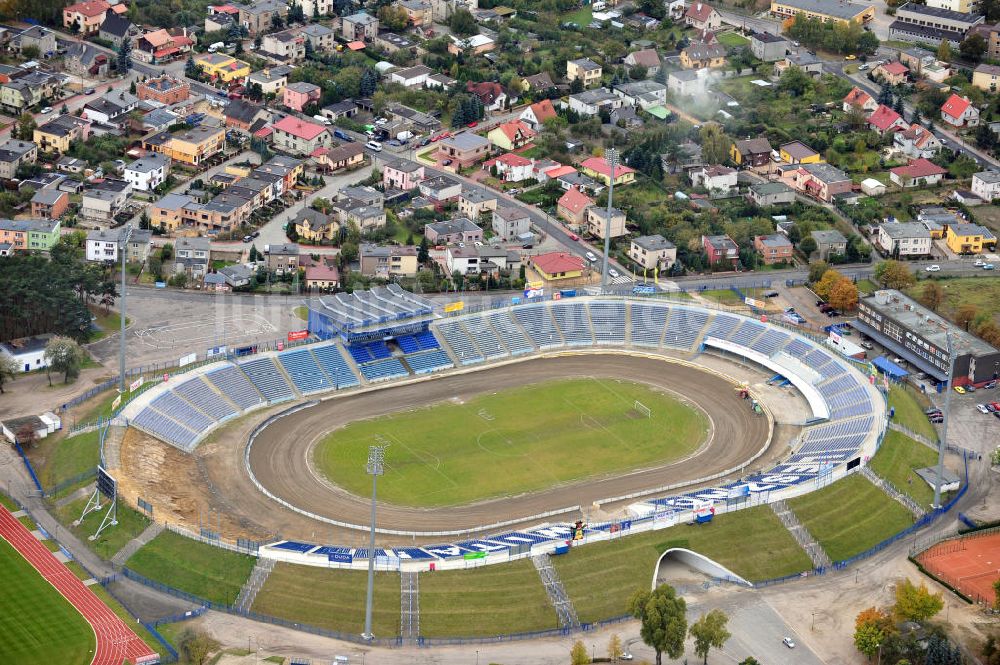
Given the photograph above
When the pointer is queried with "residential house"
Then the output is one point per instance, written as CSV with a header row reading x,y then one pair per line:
x,y
104,245
359,27
592,102
718,180
222,67
116,29
314,226
85,18
653,252
491,94
471,46
49,204
463,149
892,73
473,203
572,207
41,38
463,260
244,116
702,16
918,173
346,156
904,239
190,146
511,135
300,137
858,98
822,181
557,266
586,70
441,189
771,193
647,58
986,77
986,185
958,111
286,46
797,152
441,82
101,203
388,261
454,231
402,174
884,119
411,77
418,12
346,108
14,153
536,114
768,47
511,167
298,96
159,46
703,56
112,108
967,238
598,168
773,248
829,242
804,60
86,61
148,173
686,82
720,250
321,37
27,88
29,234
258,17
282,258
916,142
601,222
751,153
164,89
537,83
315,8
509,223
272,80
322,277
192,256
57,134
642,94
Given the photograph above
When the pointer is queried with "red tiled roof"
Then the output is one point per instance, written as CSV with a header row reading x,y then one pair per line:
x,y
487,91
225,9
543,110
955,106
263,131
356,45
120,9
918,168
89,8
299,128
557,262
510,159
323,272
857,97
895,68
515,127
699,11
883,117
575,201
598,165
559,171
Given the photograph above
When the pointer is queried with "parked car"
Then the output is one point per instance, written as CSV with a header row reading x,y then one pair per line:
x,y
989,407
788,642
990,386
614,273
591,257
981,408
867,345
574,237
832,313
989,266
247,238
933,268
771,294
47,109
970,388
89,91
936,420
374,145
960,390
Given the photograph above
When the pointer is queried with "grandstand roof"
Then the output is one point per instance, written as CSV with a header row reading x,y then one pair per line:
x,y
378,308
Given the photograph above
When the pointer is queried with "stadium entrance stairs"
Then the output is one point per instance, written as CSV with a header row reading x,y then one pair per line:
x,y
409,606
557,594
132,546
112,446
252,586
817,554
888,488
700,339
351,363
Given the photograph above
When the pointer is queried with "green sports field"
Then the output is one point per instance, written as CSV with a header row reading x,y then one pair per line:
x,y
514,441
37,625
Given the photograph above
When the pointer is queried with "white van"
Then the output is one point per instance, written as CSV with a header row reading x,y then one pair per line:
x,y
599,6
374,145
322,119
216,46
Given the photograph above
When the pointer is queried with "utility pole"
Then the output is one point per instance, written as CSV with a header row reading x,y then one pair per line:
x,y
375,468
611,157
944,423
126,235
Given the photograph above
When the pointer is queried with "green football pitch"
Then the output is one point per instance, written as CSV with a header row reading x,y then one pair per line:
x,y
37,625
514,441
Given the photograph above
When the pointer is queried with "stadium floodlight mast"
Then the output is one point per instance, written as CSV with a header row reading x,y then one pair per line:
x,y
126,235
944,421
611,157
375,468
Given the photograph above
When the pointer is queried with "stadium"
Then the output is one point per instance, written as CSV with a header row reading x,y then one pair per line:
x,y
509,432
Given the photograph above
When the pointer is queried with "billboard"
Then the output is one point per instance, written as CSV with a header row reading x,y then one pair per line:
x,y
187,360
754,303
215,351
106,484
340,557
454,306
135,385
296,335
116,402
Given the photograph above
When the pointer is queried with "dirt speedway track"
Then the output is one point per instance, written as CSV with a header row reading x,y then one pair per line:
x,y
280,455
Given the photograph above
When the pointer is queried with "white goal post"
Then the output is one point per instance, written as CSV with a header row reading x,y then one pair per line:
x,y
643,409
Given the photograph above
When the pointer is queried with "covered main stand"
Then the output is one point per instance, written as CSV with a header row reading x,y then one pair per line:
x,y
890,369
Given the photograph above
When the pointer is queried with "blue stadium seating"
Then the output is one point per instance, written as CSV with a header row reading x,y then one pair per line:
x,y
722,326
460,342
202,396
683,327
746,333
797,348
304,372
169,404
510,333
234,384
485,337
538,323
366,353
331,360
648,322
608,322
572,320
166,428
269,380
428,361
383,370
770,342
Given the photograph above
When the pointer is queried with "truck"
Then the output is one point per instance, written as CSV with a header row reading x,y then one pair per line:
x,y
216,46
404,135
322,119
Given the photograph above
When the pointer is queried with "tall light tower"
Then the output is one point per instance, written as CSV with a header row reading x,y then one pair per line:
x,y
375,468
126,235
944,422
611,157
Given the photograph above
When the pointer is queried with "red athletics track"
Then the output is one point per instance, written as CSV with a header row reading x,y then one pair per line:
x,y
115,640
969,564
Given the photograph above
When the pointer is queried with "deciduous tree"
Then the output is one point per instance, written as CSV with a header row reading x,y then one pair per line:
x,y
615,648
63,355
825,285
8,370
932,295
816,271
844,295
965,314
578,654
196,646
894,275
916,603
664,623
709,632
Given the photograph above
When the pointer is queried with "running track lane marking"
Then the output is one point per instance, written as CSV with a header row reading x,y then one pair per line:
x,y
115,640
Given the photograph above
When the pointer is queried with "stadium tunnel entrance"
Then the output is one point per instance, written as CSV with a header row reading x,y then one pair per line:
x,y
679,560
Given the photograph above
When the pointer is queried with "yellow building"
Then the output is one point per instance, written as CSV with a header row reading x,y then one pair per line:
x,y
557,266
219,66
584,69
986,77
192,146
597,168
57,134
797,152
827,11
966,238
703,56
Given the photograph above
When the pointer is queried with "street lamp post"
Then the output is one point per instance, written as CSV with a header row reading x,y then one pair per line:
x,y
375,468
944,422
126,235
611,157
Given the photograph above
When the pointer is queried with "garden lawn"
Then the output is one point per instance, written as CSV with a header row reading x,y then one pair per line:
x,y
910,411
203,570
331,598
70,457
491,600
850,516
897,461
600,577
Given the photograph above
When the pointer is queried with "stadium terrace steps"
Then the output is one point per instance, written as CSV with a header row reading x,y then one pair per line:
x,y
258,576
817,554
573,322
509,329
233,382
304,371
409,606
463,347
132,546
331,359
556,592
541,328
270,380
349,361
888,488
